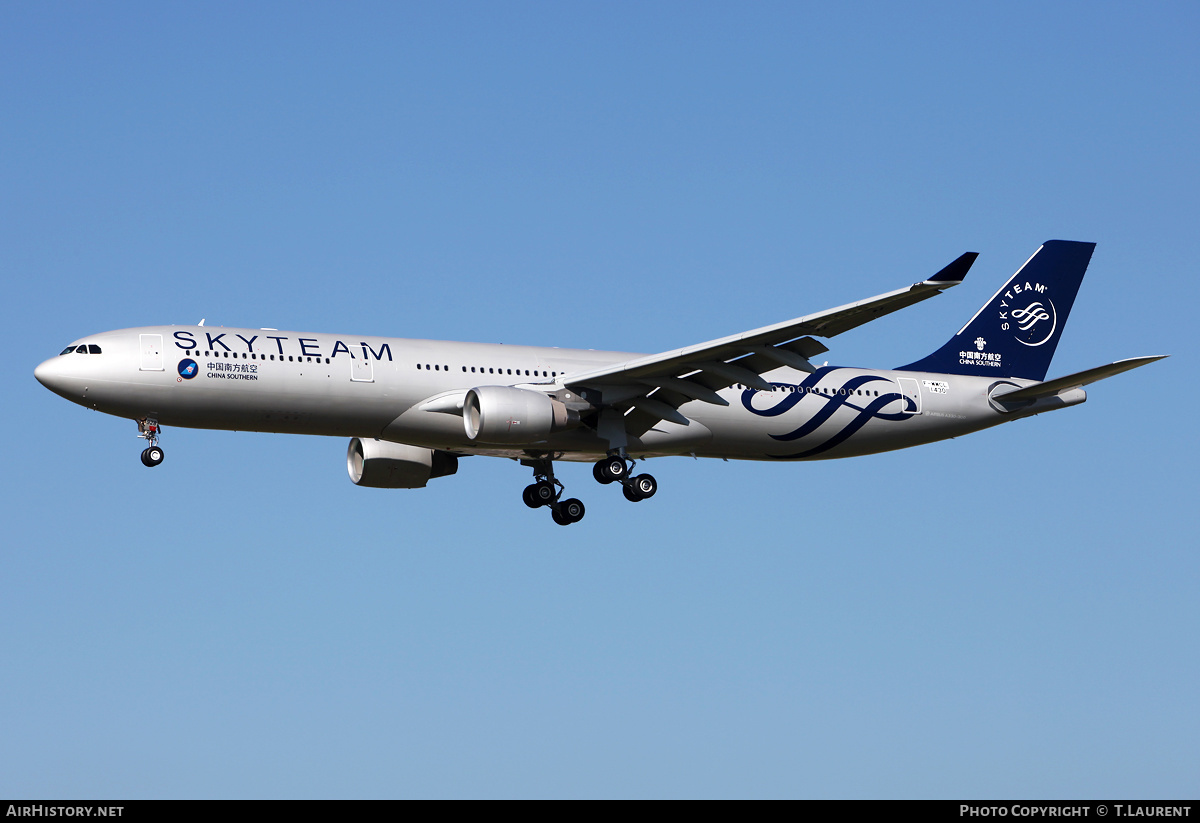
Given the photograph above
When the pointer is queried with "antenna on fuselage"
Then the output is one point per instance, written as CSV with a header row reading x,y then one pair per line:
x,y
201,323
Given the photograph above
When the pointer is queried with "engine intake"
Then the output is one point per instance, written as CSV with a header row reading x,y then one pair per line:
x,y
380,464
509,416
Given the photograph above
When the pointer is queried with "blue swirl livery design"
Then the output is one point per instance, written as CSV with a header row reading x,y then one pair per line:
x,y
865,397
188,369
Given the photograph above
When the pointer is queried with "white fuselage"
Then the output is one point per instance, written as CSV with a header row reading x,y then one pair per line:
x,y
374,387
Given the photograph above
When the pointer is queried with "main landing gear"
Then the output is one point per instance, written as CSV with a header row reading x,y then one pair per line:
x,y
547,491
616,469
148,430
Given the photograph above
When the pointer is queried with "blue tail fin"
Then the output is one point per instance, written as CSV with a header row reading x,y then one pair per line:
x,y
1016,332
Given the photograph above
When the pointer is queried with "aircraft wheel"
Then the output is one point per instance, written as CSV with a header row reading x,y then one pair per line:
x,y
152,456
600,472
559,517
645,486
612,468
630,494
529,497
572,510
543,493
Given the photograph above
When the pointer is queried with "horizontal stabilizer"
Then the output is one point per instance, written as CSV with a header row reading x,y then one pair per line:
x,y
1074,381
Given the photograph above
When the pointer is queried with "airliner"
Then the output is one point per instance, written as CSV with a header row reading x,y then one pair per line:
x,y
412,408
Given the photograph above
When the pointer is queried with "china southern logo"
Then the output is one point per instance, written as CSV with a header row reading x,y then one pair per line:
x,y
188,369
1028,313
980,343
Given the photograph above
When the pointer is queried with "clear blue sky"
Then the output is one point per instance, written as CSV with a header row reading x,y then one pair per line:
x,y
1012,614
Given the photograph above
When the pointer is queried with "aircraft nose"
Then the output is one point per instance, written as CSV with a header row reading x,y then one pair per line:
x,y
50,374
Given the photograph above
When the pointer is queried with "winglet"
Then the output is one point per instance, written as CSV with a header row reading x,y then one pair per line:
x,y
956,271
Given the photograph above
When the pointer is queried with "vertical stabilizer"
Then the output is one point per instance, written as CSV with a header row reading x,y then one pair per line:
x,y
1016,332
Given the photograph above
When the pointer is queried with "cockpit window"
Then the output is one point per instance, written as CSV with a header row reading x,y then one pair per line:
x,y
81,349
86,348
93,348
67,350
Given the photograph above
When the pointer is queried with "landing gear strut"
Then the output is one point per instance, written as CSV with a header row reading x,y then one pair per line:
x,y
617,469
547,491
148,430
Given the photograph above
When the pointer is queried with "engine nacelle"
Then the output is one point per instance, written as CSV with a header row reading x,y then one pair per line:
x,y
380,464
510,416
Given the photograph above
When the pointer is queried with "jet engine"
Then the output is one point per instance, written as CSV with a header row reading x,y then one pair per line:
x,y
507,415
380,464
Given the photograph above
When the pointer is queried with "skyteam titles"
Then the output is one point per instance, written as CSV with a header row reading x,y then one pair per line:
x,y
303,346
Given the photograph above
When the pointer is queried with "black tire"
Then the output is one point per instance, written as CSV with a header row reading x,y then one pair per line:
x,y
528,496
558,517
614,468
573,509
600,472
152,456
630,494
644,486
543,492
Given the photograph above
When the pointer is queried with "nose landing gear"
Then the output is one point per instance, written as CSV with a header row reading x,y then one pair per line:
x,y
148,430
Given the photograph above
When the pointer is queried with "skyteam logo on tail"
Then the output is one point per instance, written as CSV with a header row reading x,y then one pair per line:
x,y
1034,324
1016,332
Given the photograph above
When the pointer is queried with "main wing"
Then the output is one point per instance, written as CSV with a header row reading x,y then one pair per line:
x,y
649,389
